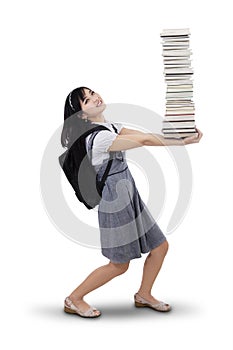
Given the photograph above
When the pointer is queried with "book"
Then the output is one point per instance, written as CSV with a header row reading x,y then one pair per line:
x,y
175,43
179,117
175,32
179,70
179,136
170,114
179,131
180,82
177,77
182,118
177,53
178,124
179,87
177,37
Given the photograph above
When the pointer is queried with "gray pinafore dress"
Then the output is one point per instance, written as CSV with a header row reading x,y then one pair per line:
x,y
127,228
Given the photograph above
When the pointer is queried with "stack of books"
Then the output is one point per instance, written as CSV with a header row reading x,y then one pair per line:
x,y
179,120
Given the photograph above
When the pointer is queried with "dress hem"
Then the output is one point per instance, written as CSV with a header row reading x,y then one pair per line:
x,y
137,256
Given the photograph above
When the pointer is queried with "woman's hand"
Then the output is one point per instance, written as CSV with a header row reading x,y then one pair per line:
x,y
193,139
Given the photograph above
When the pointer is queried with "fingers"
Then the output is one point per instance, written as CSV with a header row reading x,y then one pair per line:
x,y
200,134
194,138
190,139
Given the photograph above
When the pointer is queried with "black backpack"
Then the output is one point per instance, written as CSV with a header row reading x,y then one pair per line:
x,y
80,172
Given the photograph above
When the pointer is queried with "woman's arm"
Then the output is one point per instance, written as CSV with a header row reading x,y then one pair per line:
x,y
134,139
126,131
161,141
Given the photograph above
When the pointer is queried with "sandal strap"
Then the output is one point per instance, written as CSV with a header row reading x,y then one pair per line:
x,y
88,313
159,306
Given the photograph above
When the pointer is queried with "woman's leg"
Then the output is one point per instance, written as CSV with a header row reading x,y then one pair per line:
x,y
96,279
151,269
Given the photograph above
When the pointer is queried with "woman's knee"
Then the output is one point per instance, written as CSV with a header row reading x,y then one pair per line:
x,y
165,246
162,248
119,268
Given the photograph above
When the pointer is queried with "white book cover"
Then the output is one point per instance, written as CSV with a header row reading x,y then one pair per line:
x,y
179,70
179,89
178,130
179,124
175,43
181,118
179,136
180,83
175,32
174,39
177,53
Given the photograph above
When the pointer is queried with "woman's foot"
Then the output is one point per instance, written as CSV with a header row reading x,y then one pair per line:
x,y
81,308
147,297
147,300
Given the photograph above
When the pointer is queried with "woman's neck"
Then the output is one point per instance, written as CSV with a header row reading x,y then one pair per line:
x,y
98,119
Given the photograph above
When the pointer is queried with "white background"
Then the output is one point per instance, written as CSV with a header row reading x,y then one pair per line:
x,y
114,47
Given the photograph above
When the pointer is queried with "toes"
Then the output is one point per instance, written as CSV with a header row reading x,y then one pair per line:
x,y
96,313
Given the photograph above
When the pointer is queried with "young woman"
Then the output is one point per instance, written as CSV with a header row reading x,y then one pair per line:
x,y
127,228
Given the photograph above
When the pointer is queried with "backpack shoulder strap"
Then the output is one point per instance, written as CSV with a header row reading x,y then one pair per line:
x,y
95,133
108,167
116,131
106,172
104,177
91,144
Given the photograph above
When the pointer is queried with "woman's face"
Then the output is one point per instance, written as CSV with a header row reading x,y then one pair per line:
x,y
92,104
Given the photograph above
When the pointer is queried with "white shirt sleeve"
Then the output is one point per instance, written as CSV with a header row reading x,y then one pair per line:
x,y
119,126
103,140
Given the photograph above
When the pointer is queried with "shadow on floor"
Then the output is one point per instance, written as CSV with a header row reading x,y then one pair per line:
x,y
120,310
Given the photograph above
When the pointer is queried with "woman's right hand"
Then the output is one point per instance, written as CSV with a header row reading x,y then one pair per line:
x,y
193,139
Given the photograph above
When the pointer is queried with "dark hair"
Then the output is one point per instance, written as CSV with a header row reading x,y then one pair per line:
x,y
74,126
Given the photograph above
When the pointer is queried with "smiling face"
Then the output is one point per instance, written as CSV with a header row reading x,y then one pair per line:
x,y
92,105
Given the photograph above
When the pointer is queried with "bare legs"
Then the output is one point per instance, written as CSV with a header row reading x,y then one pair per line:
x,y
95,280
105,273
151,269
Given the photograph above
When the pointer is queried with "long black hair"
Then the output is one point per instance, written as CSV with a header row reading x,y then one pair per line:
x,y
74,126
